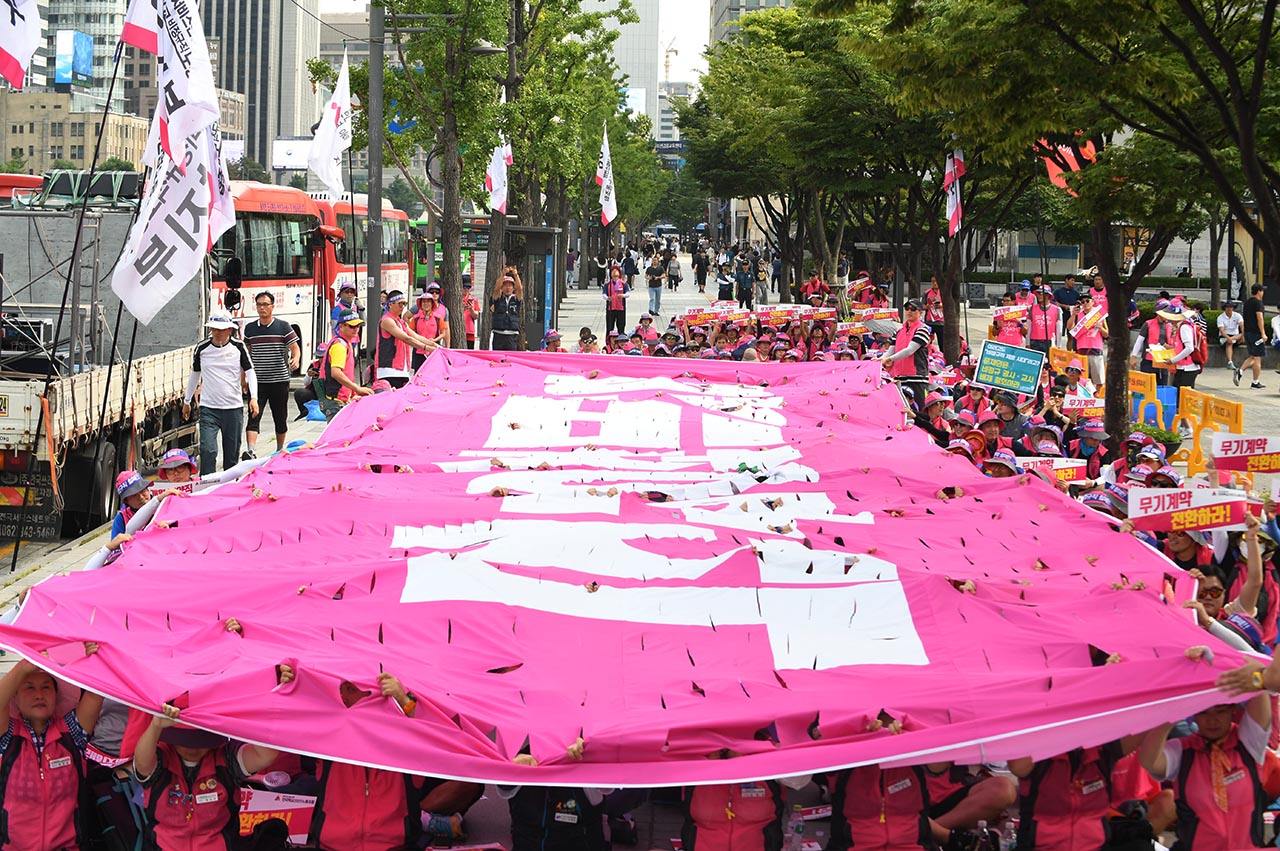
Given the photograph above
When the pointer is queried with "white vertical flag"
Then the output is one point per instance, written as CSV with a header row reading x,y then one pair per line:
x,y
184,210
951,183
187,204
142,26
495,177
20,37
188,101
333,135
604,177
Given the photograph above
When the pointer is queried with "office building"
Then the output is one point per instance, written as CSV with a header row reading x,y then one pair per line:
x,y
345,31
638,54
41,127
725,14
265,46
102,21
666,130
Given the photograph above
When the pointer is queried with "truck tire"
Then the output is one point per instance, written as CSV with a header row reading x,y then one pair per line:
x,y
88,488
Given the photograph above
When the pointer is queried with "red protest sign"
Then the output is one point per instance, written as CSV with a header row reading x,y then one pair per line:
x,y
1182,509
1250,454
257,806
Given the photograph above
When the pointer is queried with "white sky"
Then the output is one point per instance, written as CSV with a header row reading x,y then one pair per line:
x,y
687,22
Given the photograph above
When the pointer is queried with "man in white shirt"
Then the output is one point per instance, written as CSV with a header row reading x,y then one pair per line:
x,y
219,372
1230,331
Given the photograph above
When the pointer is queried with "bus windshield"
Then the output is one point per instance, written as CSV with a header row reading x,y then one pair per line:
x,y
270,245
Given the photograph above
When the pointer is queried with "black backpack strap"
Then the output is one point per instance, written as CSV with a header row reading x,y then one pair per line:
x,y
6,768
413,809
1187,823
231,830
1027,805
773,831
317,813
841,835
1260,801
85,806
925,829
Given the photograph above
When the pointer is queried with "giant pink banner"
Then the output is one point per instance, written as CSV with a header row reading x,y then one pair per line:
x,y
672,559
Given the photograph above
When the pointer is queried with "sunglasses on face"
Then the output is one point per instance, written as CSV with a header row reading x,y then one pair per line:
x,y
1209,593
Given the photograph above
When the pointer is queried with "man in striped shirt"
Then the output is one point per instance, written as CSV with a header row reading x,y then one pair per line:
x,y
276,355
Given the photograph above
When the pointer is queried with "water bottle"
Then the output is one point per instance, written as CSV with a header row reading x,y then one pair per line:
x,y
795,829
987,839
1009,840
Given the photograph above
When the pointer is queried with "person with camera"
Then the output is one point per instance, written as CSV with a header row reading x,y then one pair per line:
x,y
505,308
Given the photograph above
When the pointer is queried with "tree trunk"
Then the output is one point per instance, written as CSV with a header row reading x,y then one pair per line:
x,y
818,236
451,224
495,259
1118,342
1217,232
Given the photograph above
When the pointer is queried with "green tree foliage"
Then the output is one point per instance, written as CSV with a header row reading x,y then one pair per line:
x,y
13,165
299,181
402,196
247,169
116,164
684,204
1197,75
63,165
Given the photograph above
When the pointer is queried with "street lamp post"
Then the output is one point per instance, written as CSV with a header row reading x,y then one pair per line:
x,y
373,240
377,32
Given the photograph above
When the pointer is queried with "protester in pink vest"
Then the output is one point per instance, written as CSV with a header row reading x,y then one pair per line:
x,y
1215,772
1010,331
908,363
736,816
372,809
1025,295
338,383
1090,344
42,759
470,310
395,341
1064,799
1043,322
190,779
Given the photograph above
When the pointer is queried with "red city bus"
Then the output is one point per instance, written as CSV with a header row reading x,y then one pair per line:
x,y
275,240
352,254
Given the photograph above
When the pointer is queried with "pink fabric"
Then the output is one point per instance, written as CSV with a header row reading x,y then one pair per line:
x,y
634,585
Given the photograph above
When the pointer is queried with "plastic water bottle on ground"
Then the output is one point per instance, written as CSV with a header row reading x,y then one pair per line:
x,y
795,829
988,840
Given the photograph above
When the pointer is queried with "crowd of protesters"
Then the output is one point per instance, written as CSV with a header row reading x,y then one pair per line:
x,y
80,772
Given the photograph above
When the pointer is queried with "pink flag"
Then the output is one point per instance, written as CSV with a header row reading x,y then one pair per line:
x,y
666,558
142,26
951,182
20,38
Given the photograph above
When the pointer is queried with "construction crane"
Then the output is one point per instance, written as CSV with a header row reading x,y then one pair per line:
x,y
666,62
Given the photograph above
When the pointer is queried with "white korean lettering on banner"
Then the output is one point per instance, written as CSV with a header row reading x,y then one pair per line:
x,y
188,101
169,241
833,585
604,177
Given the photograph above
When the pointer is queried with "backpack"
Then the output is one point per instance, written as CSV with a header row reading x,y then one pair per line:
x,y
1199,345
